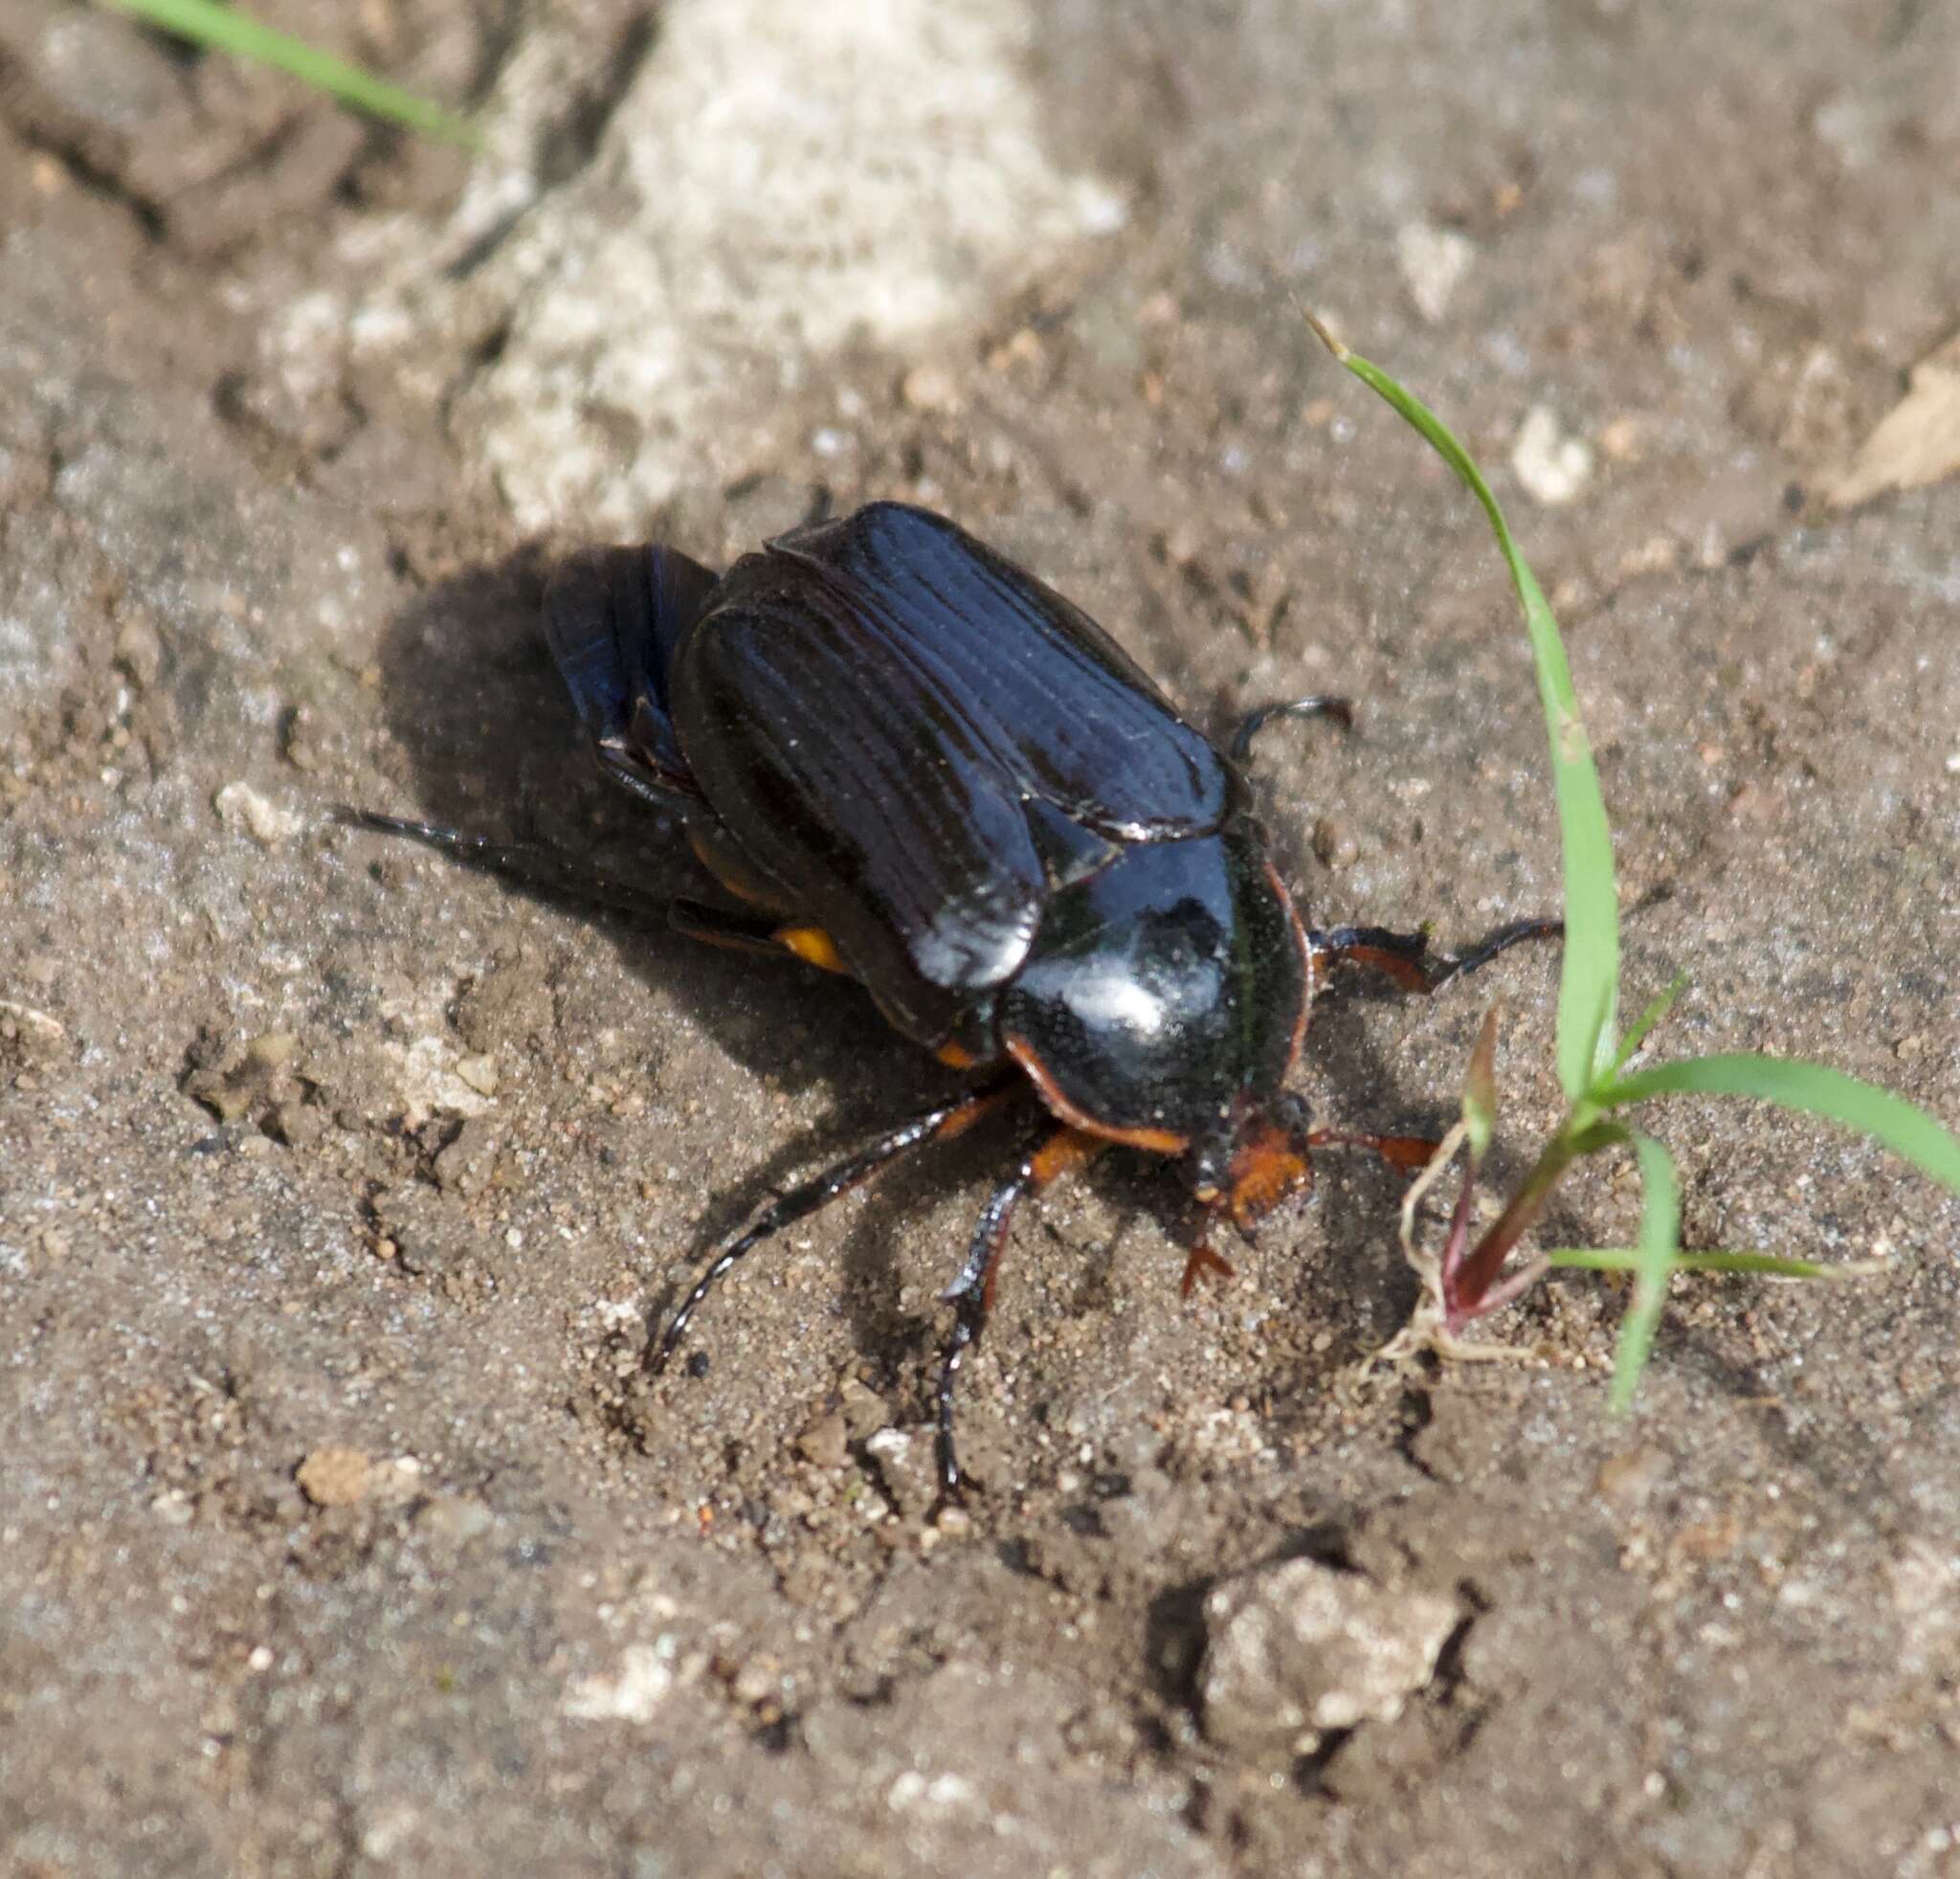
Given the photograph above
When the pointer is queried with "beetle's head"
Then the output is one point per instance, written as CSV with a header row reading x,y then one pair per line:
x,y
1256,1160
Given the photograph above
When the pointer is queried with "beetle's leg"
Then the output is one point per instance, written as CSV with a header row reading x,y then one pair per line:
x,y
726,927
1405,957
1054,1150
1397,1151
552,870
1202,1261
1400,957
757,933
1411,1152
1320,706
939,1124
579,878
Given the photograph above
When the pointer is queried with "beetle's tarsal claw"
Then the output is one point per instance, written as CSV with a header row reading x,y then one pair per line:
x,y
1201,1262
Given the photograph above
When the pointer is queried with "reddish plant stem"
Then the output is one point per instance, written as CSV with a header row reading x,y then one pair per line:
x,y
1467,1285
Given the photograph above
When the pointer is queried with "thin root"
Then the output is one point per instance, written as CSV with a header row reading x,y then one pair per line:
x,y
1428,1328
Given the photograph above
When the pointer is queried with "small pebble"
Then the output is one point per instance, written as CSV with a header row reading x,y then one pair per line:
x,y
863,1409
239,806
1434,262
175,1508
479,1072
1333,843
334,1477
271,1048
454,1518
1624,1481
1298,1651
759,1678
1552,467
931,387
139,650
823,1445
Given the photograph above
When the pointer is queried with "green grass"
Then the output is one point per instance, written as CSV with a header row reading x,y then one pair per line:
x,y
1469,1280
225,29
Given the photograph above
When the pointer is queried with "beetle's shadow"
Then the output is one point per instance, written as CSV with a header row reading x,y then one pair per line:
x,y
476,707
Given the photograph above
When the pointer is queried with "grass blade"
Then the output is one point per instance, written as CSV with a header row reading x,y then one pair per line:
x,y
1812,1089
1769,1265
1479,1091
209,23
1660,1244
1589,985
1637,1033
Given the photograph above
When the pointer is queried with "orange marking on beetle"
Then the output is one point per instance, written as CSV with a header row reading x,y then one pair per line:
x,y
813,946
712,859
1405,1151
727,942
734,871
1159,1141
955,1056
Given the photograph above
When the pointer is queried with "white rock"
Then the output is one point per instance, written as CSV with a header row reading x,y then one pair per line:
x,y
1552,467
1434,262
645,1677
239,806
782,181
1297,1649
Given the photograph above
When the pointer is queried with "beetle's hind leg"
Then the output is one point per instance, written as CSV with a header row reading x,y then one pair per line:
x,y
1406,957
939,1124
558,871
1054,1151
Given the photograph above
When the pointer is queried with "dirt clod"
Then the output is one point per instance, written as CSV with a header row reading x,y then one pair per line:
x,y
1296,1650
335,1477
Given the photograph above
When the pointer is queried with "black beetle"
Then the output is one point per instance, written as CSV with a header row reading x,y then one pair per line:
x,y
907,760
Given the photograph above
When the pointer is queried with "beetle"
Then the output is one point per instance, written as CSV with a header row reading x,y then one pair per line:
x,y
907,760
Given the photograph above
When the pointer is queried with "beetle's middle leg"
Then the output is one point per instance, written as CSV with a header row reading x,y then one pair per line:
x,y
939,1124
1054,1151
1406,957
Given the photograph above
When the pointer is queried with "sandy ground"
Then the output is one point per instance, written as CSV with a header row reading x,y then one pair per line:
x,y
339,1531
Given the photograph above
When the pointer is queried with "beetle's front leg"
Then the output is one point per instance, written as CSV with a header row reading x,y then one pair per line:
x,y
1056,1151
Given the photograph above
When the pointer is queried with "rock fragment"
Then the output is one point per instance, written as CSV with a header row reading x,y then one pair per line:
x,y
1299,1649
1552,465
334,1477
